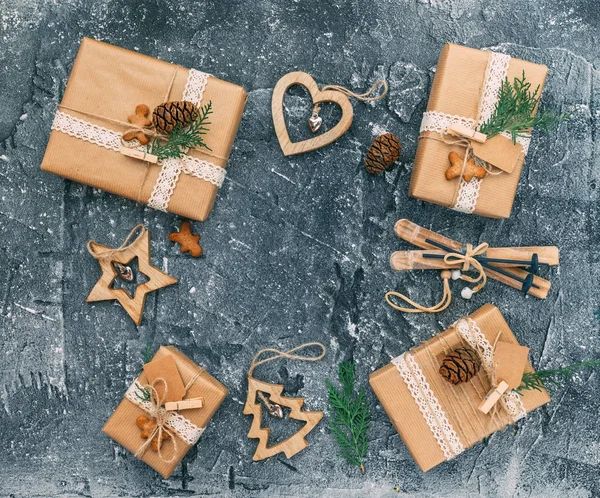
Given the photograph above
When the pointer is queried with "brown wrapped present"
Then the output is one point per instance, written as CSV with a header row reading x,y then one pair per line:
x,y
181,428
438,420
464,95
106,85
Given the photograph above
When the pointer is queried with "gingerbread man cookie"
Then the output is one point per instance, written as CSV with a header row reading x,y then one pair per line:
x,y
140,118
471,169
188,240
148,425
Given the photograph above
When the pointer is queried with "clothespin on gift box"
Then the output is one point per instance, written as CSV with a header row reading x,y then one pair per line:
x,y
509,363
166,369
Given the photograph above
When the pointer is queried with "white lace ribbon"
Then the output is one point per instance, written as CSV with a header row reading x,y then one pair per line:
x,y
429,406
170,168
471,333
184,428
439,122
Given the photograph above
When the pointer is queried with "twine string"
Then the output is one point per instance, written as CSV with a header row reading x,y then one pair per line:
x,y
109,253
161,416
369,96
286,354
468,260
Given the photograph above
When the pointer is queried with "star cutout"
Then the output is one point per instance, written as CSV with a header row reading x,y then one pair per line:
x,y
157,279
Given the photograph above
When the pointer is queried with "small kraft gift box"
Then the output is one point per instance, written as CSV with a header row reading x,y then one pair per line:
x,y
440,418
166,410
464,94
108,85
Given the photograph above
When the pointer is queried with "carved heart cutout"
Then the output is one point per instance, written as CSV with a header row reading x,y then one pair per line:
x,y
290,148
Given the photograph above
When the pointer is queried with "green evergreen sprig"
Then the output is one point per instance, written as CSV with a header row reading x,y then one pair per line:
x,y
536,380
181,139
350,420
142,393
515,111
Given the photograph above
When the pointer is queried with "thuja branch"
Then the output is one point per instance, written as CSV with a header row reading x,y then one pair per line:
x,y
536,380
181,139
350,419
515,111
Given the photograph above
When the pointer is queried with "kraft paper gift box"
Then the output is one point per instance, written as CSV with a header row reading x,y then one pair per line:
x,y
436,419
105,86
187,425
464,91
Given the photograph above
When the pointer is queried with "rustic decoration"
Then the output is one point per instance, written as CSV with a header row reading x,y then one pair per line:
x,y
187,240
384,151
290,148
461,365
148,425
106,256
289,446
140,118
471,169
179,113
256,395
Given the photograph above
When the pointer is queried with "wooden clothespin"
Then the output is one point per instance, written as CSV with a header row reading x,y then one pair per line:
x,y
139,154
492,397
186,404
459,130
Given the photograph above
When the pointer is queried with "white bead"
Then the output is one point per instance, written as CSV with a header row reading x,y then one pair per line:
x,y
466,293
455,274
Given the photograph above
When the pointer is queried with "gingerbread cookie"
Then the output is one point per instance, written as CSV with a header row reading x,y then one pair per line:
x,y
148,425
188,240
471,169
140,118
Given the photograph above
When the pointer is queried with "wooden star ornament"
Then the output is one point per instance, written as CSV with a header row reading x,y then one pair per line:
x,y
187,240
107,256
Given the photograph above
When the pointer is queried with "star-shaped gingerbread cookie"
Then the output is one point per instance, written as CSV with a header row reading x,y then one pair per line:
x,y
188,240
103,290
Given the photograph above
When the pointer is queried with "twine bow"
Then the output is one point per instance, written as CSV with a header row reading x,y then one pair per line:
x,y
157,412
468,260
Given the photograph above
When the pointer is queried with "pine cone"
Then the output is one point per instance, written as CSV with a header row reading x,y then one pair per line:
x,y
461,365
171,114
384,151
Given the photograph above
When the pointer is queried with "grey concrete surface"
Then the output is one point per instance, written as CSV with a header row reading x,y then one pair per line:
x,y
296,249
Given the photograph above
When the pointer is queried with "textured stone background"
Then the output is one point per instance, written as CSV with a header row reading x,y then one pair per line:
x,y
296,249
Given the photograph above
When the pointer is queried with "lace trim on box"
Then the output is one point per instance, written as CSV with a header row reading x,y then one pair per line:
x,y
78,128
439,122
429,406
184,428
194,86
470,332
495,74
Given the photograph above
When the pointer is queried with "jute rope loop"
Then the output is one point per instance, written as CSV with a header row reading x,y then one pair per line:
x,y
368,96
109,253
161,416
286,354
468,260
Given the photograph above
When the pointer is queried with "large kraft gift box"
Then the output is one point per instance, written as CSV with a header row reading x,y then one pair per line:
x,y
121,426
105,86
436,419
457,97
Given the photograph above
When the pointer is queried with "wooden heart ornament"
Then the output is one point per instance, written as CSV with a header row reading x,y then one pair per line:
x,y
290,148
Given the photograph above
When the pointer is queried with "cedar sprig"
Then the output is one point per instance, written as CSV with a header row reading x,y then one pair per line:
x,y
536,380
181,139
515,111
142,393
350,420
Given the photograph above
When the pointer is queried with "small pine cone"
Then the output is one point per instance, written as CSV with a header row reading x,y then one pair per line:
x,y
384,151
171,114
461,365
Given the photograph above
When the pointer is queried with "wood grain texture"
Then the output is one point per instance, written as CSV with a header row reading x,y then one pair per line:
x,y
289,446
414,260
157,279
416,235
290,148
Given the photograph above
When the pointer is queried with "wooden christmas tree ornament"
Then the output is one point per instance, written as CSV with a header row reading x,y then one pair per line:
x,y
107,257
256,395
329,93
